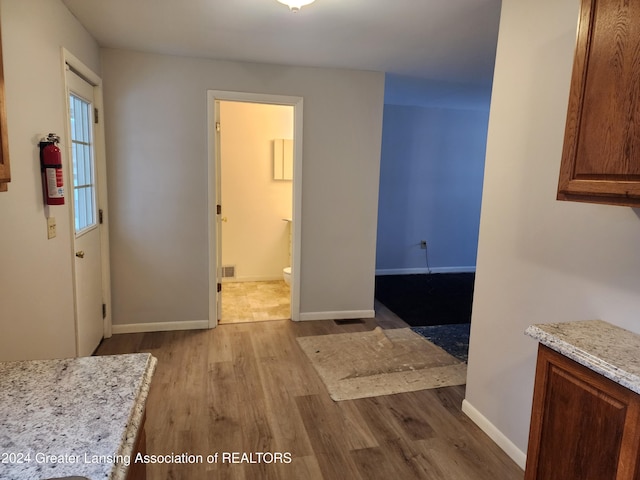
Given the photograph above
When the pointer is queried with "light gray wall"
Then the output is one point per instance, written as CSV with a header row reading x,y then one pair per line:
x,y
36,289
539,260
156,137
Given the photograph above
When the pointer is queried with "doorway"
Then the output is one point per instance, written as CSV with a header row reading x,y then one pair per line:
x,y
86,195
256,164
254,225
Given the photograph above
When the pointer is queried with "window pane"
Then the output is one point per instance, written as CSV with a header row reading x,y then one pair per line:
x,y
75,209
88,194
88,169
83,122
83,167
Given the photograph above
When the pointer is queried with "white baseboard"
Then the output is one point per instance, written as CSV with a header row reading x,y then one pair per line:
x,y
414,271
160,326
343,315
494,434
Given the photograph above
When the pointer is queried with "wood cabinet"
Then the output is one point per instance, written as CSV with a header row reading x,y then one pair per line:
x,y
138,471
5,171
601,156
583,425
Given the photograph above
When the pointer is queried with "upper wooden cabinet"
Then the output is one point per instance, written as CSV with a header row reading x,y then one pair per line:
x,y
601,155
5,172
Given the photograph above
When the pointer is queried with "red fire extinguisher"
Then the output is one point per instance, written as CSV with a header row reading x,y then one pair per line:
x,y
51,166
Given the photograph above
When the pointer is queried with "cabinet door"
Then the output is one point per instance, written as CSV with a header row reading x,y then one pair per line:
x,y
601,156
583,426
138,470
5,173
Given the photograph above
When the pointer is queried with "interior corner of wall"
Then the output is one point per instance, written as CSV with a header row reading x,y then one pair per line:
x,y
496,435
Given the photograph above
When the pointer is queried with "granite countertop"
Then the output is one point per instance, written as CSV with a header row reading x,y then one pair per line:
x,y
72,417
604,348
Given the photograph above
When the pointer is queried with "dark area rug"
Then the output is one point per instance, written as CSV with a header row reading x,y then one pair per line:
x,y
427,299
454,339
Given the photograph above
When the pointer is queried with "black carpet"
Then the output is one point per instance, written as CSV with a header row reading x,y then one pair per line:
x,y
428,299
454,339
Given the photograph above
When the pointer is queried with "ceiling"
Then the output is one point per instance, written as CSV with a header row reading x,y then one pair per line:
x,y
443,40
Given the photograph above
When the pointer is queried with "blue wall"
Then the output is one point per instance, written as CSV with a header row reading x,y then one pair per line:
x,y
431,177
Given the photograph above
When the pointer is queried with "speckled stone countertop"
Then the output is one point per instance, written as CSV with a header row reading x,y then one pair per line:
x,y
604,348
69,417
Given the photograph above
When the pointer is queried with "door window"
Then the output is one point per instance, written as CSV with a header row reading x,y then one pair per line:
x,y
84,190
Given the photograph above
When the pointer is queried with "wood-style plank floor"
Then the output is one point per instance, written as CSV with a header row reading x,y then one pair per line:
x,y
248,388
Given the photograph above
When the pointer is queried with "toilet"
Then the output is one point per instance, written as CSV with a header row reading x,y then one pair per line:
x,y
286,271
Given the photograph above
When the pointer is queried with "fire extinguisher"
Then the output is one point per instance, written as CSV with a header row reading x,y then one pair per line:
x,y
51,167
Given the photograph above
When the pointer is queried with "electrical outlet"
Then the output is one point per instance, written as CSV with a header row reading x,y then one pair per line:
x,y
51,227
423,244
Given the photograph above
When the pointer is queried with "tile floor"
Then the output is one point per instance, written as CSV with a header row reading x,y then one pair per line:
x,y
255,301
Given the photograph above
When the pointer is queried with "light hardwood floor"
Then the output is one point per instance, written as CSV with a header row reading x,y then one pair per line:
x,y
249,388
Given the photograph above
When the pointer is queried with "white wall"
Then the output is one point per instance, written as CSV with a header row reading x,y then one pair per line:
x,y
36,290
539,260
156,118
255,239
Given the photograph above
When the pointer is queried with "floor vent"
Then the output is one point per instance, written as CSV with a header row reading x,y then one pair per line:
x,y
228,271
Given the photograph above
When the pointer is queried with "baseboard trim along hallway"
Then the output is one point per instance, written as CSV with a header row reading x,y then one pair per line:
x,y
204,324
494,434
423,270
160,326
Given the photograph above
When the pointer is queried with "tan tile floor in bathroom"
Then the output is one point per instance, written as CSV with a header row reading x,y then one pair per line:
x,y
255,301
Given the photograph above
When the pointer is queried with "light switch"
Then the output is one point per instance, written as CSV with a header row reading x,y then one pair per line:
x,y
51,227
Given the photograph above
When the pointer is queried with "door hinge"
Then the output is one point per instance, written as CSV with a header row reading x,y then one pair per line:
x,y
96,116
217,126
100,216
104,310
218,209
219,287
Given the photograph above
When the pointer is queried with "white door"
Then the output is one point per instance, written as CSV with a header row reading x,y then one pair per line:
x,y
83,195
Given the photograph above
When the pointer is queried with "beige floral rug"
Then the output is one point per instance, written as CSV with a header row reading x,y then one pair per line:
x,y
380,362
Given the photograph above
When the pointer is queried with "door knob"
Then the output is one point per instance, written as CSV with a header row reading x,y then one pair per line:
x,y
80,254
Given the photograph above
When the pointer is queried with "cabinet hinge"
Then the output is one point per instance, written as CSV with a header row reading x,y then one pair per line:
x,y
104,310
96,116
219,287
217,126
218,209
100,216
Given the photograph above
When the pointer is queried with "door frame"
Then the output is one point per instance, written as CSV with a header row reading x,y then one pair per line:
x,y
101,176
214,96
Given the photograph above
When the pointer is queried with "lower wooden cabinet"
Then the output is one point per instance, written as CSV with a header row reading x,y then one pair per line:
x,y
583,425
138,471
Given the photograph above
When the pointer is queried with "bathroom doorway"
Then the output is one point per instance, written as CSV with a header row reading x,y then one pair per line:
x,y
256,171
257,156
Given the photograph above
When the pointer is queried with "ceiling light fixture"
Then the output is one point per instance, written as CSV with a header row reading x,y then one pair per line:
x,y
296,5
